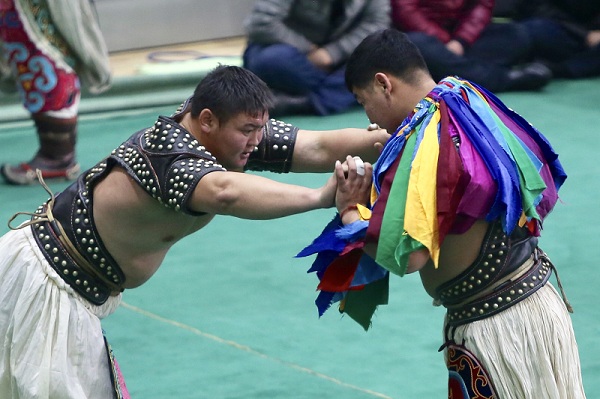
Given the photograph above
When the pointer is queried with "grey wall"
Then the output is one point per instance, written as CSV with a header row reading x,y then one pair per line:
x,y
134,24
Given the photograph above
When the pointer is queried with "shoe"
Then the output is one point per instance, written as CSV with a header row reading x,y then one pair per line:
x,y
532,76
559,69
24,174
287,104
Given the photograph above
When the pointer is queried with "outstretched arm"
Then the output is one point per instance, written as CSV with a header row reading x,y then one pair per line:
x,y
255,197
317,150
285,148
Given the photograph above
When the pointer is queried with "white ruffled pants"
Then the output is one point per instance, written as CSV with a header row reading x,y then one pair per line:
x,y
529,349
51,341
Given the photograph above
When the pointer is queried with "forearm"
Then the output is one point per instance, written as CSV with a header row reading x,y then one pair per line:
x,y
317,151
254,197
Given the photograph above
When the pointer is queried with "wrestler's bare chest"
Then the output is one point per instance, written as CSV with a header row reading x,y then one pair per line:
x,y
135,228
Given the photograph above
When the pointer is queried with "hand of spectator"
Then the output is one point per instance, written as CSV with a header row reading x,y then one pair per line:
x,y
593,38
320,58
456,47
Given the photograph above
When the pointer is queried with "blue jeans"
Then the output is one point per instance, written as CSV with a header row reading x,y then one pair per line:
x,y
286,69
487,62
568,50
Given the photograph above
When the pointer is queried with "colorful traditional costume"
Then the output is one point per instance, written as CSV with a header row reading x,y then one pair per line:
x,y
48,49
57,279
463,156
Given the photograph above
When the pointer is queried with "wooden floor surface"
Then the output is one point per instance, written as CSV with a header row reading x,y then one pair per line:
x,y
127,63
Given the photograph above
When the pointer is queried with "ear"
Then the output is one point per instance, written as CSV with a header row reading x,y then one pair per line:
x,y
207,121
383,82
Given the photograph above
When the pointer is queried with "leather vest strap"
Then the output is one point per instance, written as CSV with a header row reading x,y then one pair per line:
x,y
275,151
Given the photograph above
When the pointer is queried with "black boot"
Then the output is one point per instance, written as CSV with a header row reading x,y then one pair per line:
x,y
529,77
288,104
55,157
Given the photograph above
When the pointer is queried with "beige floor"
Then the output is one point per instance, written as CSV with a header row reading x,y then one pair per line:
x,y
127,63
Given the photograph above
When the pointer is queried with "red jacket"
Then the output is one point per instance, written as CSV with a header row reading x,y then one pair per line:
x,y
462,20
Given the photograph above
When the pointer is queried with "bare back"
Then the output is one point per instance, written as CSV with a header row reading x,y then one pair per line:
x,y
135,228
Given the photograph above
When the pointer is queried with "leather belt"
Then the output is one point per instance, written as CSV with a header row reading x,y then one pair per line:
x,y
94,278
500,256
505,295
70,265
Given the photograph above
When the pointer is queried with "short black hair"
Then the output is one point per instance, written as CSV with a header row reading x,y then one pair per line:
x,y
389,51
230,90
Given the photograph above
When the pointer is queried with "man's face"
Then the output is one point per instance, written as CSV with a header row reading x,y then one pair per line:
x,y
376,106
234,140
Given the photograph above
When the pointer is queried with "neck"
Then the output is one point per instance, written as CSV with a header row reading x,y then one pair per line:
x,y
189,124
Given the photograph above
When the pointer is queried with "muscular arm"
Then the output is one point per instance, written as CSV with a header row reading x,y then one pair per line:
x,y
317,151
254,197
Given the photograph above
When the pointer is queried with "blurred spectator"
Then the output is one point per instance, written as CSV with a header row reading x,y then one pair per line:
x,y
460,38
47,47
565,34
299,48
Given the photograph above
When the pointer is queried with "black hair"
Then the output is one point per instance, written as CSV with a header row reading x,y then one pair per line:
x,y
230,90
389,51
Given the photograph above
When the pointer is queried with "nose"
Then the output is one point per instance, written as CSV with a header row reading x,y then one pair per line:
x,y
256,137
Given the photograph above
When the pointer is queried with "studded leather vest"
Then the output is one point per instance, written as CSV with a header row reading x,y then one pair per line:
x,y
167,162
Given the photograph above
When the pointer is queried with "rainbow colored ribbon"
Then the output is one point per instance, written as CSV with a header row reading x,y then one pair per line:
x,y
461,156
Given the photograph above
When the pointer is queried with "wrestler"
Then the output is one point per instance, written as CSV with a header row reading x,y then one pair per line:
x,y
65,269
49,49
459,195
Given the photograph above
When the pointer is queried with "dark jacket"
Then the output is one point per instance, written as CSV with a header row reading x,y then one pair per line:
x,y
577,16
307,23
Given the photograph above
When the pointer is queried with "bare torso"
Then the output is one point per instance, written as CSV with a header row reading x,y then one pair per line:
x,y
138,232
135,228
457,253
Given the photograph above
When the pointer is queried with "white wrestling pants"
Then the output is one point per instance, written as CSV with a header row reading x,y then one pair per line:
x,y
52,344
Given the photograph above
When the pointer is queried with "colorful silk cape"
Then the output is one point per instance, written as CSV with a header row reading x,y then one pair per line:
x,y
462,155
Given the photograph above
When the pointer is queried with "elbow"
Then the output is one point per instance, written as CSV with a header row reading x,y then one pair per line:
x,y
225,197
224,202
417,260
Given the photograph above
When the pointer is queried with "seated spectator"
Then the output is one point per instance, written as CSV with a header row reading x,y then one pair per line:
x,y
299,48
460,38
565,35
